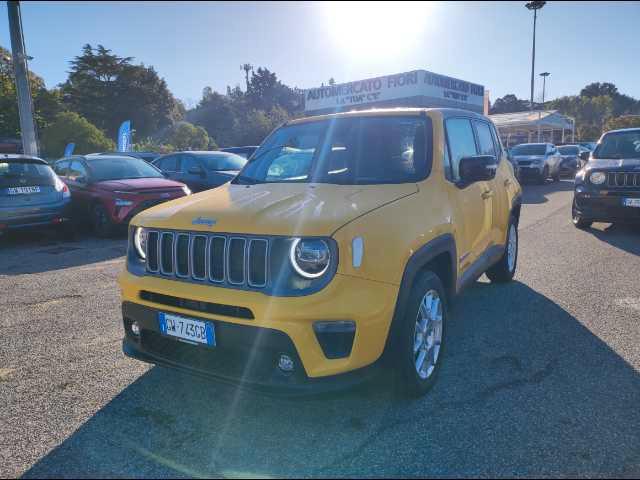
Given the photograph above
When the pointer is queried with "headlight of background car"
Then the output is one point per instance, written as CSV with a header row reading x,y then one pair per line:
x,y
310,258
186,190
597,178
140,242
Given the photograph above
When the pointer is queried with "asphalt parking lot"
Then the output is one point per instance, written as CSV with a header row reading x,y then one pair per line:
x,y
541,376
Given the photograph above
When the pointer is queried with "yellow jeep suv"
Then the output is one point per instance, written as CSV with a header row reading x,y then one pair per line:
x,y
339,244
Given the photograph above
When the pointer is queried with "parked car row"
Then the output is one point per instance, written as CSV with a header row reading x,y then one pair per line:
x,y
540,161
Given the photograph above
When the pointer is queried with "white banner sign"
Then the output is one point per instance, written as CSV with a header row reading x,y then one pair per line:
x,y
444,90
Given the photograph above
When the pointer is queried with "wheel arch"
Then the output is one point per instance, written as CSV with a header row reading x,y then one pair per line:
x,y
439,256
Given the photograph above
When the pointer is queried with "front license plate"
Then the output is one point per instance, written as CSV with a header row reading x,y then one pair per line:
x,y
22,190
189,329
631,202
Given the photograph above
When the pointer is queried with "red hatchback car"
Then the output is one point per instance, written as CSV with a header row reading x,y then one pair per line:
x,y
109,190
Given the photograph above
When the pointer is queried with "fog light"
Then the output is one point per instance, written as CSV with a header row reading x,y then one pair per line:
x,y
135,329
285,363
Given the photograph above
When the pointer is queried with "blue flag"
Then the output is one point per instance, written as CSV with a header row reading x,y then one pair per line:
x,y
124,136
68,150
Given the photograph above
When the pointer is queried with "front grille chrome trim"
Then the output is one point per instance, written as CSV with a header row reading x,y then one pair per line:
x,y
192,257
244,260
160,252
176,265
224,258
623,179
217,261
266,262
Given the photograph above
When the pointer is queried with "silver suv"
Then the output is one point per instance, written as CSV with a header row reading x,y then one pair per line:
x,y
537,161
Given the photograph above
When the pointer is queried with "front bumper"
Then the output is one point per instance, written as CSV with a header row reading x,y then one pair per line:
x,y
606,206
529,171
286,322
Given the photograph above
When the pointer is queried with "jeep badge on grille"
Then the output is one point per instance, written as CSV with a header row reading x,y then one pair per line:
x,y
209,222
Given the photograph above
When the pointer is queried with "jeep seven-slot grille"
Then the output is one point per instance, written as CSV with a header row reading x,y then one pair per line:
x,y
230,260
623,179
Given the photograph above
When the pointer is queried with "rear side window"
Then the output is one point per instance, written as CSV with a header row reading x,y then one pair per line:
x,y
190,163
76,171
485,139
168,164
61,168
461,143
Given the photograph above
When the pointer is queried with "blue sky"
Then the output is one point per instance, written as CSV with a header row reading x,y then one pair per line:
x,y
193,45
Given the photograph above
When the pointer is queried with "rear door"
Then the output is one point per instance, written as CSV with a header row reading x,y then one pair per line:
x,y
193,173
77,179
474,208
170,165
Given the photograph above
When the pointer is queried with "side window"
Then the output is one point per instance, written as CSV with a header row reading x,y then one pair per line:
x,y
76,171
485,139
461,142
61,168
169,164
497,142
188,163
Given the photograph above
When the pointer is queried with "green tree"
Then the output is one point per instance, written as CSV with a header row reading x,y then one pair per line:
x,y
70,127
186,136
108,89
46,103
627,121
509,104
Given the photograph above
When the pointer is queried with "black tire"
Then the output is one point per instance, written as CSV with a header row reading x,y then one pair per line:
x,y
100,221
504,270
411,383
67,231
542,179
579,221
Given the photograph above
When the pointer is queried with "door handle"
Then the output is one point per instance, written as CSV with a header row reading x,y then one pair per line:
x,y
487,194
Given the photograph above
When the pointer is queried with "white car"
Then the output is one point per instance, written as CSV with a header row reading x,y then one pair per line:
x,y
537,161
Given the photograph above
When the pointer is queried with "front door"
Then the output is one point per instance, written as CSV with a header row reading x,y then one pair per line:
x,y
474,205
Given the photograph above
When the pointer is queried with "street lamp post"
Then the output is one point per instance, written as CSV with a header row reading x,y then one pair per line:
x,y
21,74
544,76
535,6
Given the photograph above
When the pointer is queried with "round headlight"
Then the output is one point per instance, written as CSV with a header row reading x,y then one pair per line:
x,y
140,242
310,257
597,178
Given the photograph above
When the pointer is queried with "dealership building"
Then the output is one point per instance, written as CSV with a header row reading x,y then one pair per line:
x,y
418,88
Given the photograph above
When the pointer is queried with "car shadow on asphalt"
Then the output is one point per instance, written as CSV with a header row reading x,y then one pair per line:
x,y
622,236
533,194
43,251
525,389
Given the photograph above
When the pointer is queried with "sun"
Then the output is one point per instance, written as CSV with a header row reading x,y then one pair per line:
x,y
376,29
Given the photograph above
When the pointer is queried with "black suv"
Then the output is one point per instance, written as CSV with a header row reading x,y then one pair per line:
x,y
607,189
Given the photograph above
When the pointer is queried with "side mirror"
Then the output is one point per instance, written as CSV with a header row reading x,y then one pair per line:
x,y
478,168
585,156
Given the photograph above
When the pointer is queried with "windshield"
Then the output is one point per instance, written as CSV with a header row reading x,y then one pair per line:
x,y
529,149
619,145
223,161
120,168
347,151
23,172
569,150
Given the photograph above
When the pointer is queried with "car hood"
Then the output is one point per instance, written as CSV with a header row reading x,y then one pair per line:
x,y
137,184
273,209
613,164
